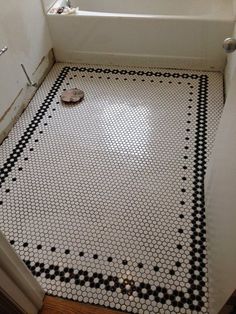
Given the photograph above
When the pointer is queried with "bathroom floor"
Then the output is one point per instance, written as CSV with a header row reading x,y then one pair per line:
x,y
104,200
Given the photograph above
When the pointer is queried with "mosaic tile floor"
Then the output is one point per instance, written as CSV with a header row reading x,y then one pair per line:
x,y
104,200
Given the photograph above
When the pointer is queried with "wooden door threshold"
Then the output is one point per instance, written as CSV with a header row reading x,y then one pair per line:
x,y
55,305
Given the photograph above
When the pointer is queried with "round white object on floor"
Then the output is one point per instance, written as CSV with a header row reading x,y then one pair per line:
x,y
73,95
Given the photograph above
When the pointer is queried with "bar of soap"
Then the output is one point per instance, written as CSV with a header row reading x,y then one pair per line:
x,y
72,96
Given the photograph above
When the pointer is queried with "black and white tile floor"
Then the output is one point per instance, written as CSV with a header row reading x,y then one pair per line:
x,y
104,200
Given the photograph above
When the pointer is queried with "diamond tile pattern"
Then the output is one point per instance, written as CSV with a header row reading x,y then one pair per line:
x,y
104,200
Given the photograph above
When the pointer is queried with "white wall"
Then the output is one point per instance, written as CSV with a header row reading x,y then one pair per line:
x,y
24,30
25,26
48,3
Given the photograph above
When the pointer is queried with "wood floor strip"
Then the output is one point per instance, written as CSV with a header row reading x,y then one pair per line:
x,y
54,305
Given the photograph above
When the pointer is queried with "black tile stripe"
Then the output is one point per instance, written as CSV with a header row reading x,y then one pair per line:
x,y
133,72
111,283
198,236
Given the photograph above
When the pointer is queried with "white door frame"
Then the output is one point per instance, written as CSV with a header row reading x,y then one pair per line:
x,y
17,282
221,207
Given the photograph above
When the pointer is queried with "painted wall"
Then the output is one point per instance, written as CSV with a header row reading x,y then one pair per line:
x,y
24,30
48,3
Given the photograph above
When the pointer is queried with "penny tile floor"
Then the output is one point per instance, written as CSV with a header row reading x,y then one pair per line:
x,y
104,200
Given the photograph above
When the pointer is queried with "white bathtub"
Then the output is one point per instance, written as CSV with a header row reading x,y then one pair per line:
x,y
163,33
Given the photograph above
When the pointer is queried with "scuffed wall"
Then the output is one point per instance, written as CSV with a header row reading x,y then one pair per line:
x,y
25,32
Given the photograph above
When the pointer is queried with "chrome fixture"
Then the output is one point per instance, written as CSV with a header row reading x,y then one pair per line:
x,y
30,83
4,49
229,45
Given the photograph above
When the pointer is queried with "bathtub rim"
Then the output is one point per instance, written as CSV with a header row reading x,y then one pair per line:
x,y
91,14
219,16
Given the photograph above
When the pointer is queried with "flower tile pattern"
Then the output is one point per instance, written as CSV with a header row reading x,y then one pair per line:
x,y
104,200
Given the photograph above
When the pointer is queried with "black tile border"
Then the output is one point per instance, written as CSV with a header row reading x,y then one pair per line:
x,y
198,211
110,283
